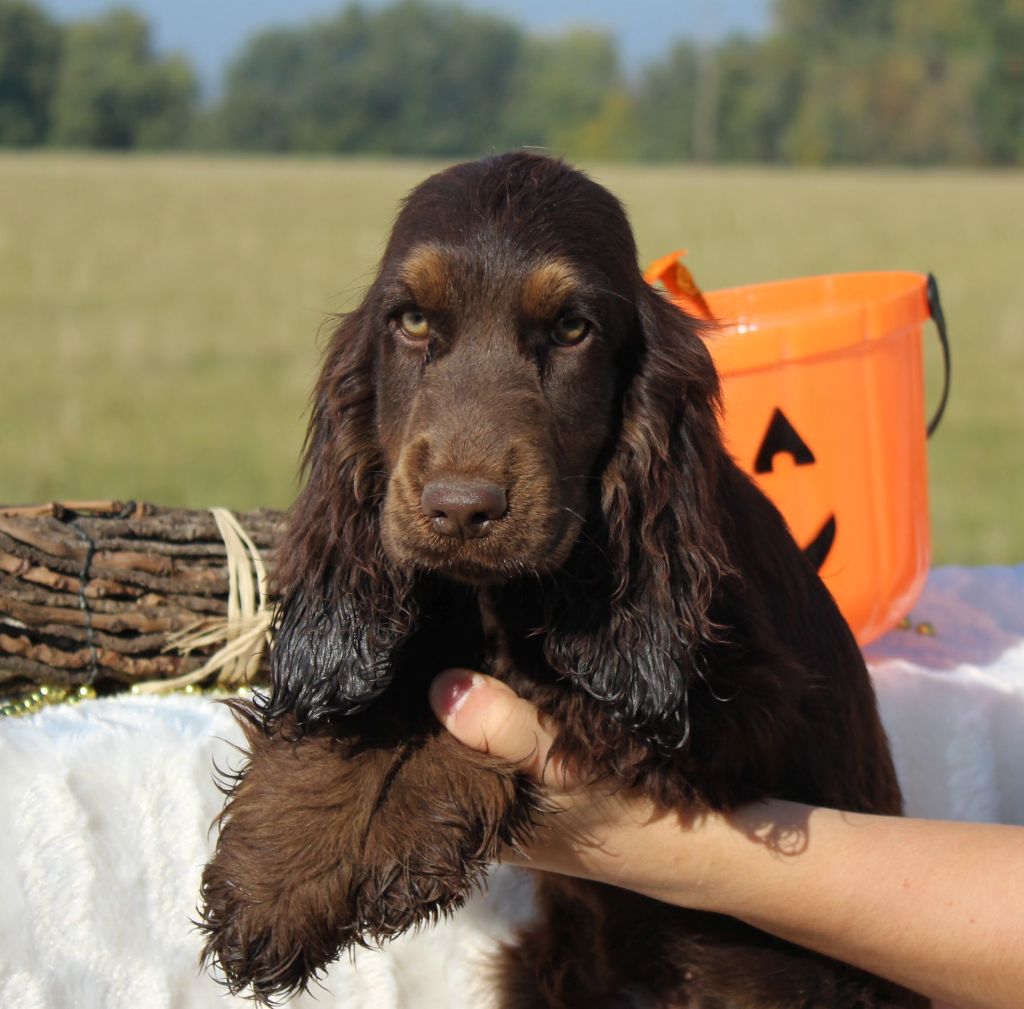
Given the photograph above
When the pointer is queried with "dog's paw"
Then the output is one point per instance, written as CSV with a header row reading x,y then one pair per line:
x,y
326,843
266,944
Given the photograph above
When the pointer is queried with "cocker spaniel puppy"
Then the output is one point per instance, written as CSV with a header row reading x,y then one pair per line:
x,y
514,464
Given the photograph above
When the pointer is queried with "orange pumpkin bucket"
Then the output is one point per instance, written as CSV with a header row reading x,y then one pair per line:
x,y
823,392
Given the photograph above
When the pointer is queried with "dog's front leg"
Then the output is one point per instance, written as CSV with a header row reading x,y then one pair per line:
x,y
348,836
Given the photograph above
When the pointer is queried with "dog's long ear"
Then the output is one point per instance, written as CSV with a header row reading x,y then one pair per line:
x,y
639,648
343,607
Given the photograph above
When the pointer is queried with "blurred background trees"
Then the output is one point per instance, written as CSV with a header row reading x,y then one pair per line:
x,y
112,91
852,81
95,83
412,78
30,52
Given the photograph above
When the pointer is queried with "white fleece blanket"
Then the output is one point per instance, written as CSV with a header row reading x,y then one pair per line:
x,y
105,808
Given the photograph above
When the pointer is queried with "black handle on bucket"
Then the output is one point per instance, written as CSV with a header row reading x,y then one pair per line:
x,y
935,307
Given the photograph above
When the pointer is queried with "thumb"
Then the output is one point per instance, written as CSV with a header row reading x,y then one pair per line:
x,y
489,716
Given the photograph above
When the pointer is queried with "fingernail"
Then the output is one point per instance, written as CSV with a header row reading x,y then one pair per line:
x,y
449,691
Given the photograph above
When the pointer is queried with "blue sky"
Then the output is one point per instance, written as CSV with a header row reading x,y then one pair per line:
x,y
209,32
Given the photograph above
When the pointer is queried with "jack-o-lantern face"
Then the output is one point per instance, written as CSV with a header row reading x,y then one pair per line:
x,y
841,355
781,437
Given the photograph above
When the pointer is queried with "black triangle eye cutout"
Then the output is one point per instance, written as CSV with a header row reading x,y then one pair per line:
x,y
781,436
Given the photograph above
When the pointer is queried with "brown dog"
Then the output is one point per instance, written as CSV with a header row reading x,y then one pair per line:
x,y
514,464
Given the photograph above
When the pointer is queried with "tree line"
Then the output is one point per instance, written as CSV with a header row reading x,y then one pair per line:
x,y
851,81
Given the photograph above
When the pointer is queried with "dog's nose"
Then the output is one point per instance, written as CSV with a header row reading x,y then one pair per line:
x,y
463,508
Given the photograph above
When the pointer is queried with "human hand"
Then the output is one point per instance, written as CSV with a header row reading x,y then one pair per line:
x,y
597,830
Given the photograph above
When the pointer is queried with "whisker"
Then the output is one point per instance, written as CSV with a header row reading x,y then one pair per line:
x,y
613,294
588,537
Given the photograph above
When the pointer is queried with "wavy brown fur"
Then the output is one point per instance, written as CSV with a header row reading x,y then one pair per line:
x,y
638,588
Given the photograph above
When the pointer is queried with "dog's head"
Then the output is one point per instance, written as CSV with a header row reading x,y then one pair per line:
x,y
500,316
509,394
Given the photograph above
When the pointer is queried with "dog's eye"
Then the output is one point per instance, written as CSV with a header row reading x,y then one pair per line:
x,y
414,325
570,330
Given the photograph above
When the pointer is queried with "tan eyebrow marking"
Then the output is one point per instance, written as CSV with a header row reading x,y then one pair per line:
x,y
426,272
547,287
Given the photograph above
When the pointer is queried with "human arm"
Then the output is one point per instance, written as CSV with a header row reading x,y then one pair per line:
x,y
933,905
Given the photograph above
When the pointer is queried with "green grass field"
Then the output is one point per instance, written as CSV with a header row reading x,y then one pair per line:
x,y
160,317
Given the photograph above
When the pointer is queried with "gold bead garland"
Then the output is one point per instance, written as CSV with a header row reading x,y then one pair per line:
x,y
925,627
43,697
47,696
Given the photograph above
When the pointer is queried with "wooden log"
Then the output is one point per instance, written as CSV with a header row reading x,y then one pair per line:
x,y
135,620
147,521
82,658
61,508
38,535
176,525
24,570
194,579
106,601
19,675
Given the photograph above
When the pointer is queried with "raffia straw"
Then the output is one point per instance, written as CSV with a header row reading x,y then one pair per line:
x,y
245,632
